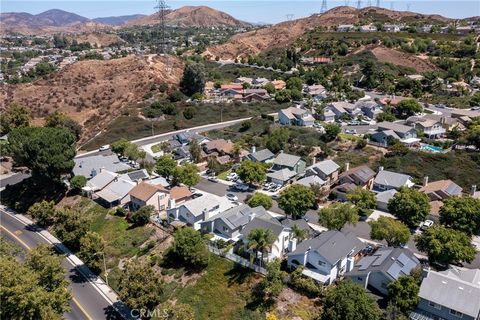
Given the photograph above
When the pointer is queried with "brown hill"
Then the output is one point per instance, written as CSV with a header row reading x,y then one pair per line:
x,y
99,39
193,16
254,42
93,92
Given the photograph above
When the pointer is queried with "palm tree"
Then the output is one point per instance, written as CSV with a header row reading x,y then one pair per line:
x,y
260,240
298,233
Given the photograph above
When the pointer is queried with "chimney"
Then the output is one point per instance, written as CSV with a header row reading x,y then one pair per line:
x,y
380,168
425,181
254,149
473,190
347,166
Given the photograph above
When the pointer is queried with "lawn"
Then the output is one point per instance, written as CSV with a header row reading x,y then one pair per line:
x,y
224,175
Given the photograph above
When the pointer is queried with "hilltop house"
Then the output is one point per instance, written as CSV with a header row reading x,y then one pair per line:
x,y
387,180
90,166
288,161
263,155
145,194
361,176
296,116
369,108
115,193
430,127
327,170
341,109
389,131
327,256
345,28
383,267
451,295
441,189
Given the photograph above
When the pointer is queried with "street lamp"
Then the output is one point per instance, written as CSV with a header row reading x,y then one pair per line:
x,y
104,265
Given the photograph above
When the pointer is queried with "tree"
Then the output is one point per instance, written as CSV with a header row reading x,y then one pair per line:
x,y
44,213
92,249
273,283
133,152
393,312
319,191
70,227
195,151
190,112
177,311
252,172
260,241
337,215
410,206
140,286
260,199
15,116
444,245
78,182
296,95
363,199
393,231
189,247
385,116
166,166
48,268
120,146
278,140
61,120
48,152
283,96
299,233
296,199
270,88
331,132
403,293
295,83
142,215
187,174
407,108
348,300
461,213
193,79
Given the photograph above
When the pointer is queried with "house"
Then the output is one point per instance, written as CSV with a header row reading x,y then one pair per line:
x,y
279,84
263,155
137,175
391,28
249,95
383,198
402,131
316,90
100,181
361,176
90,166
296,116
327,256
342,109
228,224
328,115
145,194
159,181
184,138
311,180
260,82
383,267
302,224
288,161
283,241
369,108
345,28
441,189
315,60
327,170
342,190
281,177
195,211
451,295
115,193
368,28
387,180
244,80
430,127
219,146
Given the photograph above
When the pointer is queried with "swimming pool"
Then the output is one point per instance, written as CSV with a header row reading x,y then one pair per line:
x,y
431,148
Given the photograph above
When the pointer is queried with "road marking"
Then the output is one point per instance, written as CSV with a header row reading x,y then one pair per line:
x,y
18,232
85,313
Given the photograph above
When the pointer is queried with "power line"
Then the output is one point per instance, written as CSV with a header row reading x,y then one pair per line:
x,y
162,8
323,9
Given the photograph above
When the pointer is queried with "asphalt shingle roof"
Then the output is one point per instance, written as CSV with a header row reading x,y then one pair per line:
x,y
327,167
286,160
392,179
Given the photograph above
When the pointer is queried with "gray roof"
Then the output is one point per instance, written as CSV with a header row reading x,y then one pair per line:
x,y
332,245
85,165
282,175
385,196
207,202
262,155
393,179
238,216
101,180
138,175
363,173
301,223
264,222
389,133
396,127
116,190
286,160
308,181
159,181
327,167
456,288
392,262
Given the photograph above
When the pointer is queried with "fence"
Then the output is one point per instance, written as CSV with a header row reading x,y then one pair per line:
x,y
237,259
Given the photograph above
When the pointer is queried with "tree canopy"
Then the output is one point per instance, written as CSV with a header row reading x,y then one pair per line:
x,y
61,120
260,199
187,174
349,301
296,199
252,172
193,79
260,241
92,247
189,247
337,215
363,199
403,293
142,215
394,232
166,166
44,213
407,108
410,206
70,227
15,116
195,151
444,245
461,213
48,152
78,182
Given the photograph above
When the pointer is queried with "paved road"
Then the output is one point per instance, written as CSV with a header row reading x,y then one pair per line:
x,y
13,179
87,302
361,229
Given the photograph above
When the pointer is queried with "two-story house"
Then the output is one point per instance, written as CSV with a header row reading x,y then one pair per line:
x,y
288,161
388,180
451,295
327,170
430,127
361,176
403,131
327,256
296,116
263,155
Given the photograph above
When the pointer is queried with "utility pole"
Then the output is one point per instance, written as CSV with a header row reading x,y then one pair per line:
x,y
323,9
161,8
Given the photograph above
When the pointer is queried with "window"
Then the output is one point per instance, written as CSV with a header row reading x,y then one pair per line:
x,y
456,313
162,196
434,305
162,207
359,278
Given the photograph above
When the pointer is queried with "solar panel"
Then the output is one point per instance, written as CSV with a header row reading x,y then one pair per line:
x,y
382,255
366,262
394,270
408,264
137,175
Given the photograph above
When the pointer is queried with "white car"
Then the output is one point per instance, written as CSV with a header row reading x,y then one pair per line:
x,y
241,187
426,224
104,148
232,197
232,176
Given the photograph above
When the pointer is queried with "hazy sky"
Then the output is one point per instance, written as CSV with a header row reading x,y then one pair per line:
x,y
247,10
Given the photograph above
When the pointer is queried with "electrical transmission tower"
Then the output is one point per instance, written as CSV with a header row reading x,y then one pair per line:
x,y
369,3
408,6
378,4
162,8
323,9
359,4
392,6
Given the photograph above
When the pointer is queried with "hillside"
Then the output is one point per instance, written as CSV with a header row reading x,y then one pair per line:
x,y
118,21
48,22
98,39
285,33
193,16
93,92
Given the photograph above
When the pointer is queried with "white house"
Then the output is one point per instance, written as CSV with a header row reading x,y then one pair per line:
x,y
296,116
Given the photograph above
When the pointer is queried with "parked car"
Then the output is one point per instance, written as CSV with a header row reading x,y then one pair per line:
x,y
104,148
426,224
232,176
241,187
232,197
212,179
